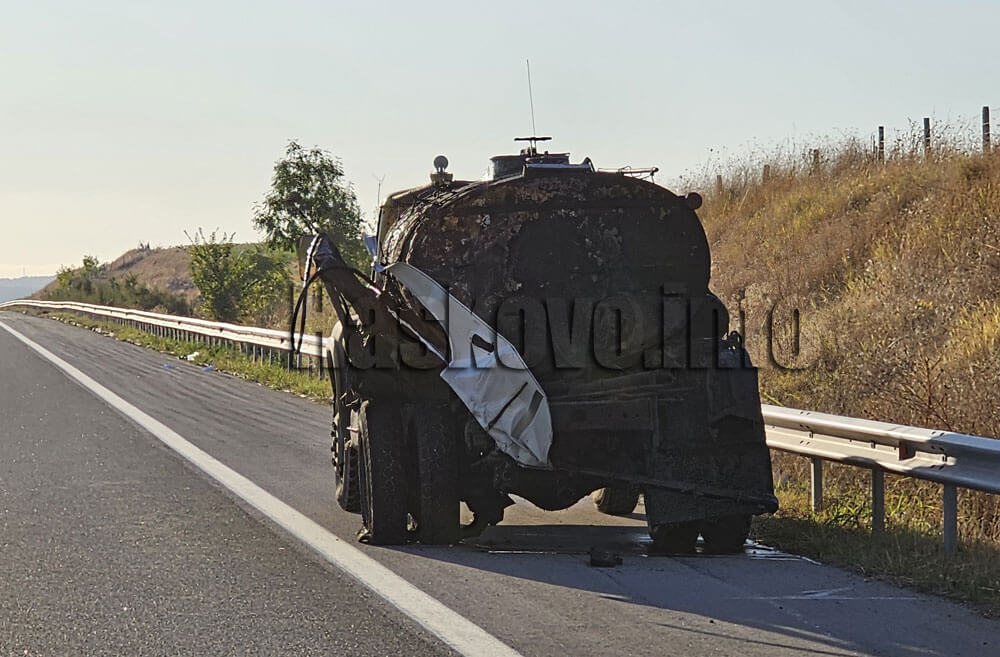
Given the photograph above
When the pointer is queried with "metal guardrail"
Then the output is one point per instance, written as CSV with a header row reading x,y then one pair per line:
x,y
260,343
952,459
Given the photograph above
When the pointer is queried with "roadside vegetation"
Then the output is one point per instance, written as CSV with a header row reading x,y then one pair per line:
x,y
94,282
223,358
894,267
237,283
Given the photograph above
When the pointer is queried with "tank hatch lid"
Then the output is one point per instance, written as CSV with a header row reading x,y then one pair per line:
x,y
529,160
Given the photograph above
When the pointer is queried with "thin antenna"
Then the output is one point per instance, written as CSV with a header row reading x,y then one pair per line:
x,y
378,194
531,100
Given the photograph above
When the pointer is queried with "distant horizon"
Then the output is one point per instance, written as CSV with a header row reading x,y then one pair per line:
x,y
18,278
13,272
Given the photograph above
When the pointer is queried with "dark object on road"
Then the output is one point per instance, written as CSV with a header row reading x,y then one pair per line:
x,y
604,558
548,332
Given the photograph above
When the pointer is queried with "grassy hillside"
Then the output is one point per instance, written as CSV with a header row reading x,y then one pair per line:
x,y
895,269
164,269
145,279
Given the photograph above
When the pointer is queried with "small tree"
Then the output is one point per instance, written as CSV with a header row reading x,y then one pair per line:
x,y
235,283
310,195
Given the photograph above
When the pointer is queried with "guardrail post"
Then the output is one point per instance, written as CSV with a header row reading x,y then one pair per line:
x,y
816,476
878,500
950,518
319,354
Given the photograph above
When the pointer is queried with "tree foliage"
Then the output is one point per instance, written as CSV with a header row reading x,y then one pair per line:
x,y
309,195
236,283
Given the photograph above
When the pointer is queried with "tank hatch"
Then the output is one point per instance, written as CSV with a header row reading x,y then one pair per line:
x,y
529,159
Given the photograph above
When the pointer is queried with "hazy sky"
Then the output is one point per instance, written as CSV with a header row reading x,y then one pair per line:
x,y
127,122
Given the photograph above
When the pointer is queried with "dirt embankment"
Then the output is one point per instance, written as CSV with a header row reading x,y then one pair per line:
x,y
165,269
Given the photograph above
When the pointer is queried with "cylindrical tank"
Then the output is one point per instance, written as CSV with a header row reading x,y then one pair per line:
x,y
601,281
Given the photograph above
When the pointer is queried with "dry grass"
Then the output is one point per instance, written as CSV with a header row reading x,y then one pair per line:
x,y
895,269
223,358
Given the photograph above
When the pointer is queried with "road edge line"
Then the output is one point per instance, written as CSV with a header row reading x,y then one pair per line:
x,y
456,631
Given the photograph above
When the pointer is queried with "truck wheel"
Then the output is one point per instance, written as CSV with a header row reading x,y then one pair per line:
x,y
725,535
616,500
383,484
674,537
346,479
438,518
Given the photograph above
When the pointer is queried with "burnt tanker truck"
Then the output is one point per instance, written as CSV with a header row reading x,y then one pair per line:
x,y
547,332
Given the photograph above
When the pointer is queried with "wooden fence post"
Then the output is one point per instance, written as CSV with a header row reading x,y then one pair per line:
x,y
881,143
927,136
767,173
986,128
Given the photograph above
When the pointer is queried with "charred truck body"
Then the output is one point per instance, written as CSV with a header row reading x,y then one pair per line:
x,y
548,333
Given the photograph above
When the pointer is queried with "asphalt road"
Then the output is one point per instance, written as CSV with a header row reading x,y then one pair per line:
x,y
110,543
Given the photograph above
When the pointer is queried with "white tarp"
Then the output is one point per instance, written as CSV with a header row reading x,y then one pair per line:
x,y
487,373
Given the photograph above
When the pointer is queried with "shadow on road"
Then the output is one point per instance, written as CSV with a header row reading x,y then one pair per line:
x,y
761,588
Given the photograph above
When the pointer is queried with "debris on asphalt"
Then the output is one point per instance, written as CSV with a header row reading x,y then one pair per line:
x,y
604,558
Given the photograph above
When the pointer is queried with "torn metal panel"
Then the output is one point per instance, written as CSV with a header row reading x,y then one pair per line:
x,y
487,373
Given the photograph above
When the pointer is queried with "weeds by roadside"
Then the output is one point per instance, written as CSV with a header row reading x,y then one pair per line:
x,y
224,359
894,267
903,554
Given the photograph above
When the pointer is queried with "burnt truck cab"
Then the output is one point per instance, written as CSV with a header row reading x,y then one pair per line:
x,y
547,332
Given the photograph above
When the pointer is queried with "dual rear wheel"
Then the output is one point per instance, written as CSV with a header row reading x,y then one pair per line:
x,y
406,483
722,535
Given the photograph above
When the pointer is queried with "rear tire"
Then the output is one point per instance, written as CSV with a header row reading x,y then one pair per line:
x,y
616,500
438,518
674,537
383,486
725,535
346,479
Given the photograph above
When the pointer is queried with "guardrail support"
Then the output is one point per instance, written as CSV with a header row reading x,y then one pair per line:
x,y
878,500
950,518
816,476
319,351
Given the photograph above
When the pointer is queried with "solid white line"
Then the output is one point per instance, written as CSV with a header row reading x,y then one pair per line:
x,y
453,629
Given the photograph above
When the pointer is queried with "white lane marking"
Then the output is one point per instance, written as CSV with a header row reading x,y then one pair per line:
x,y
453,629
